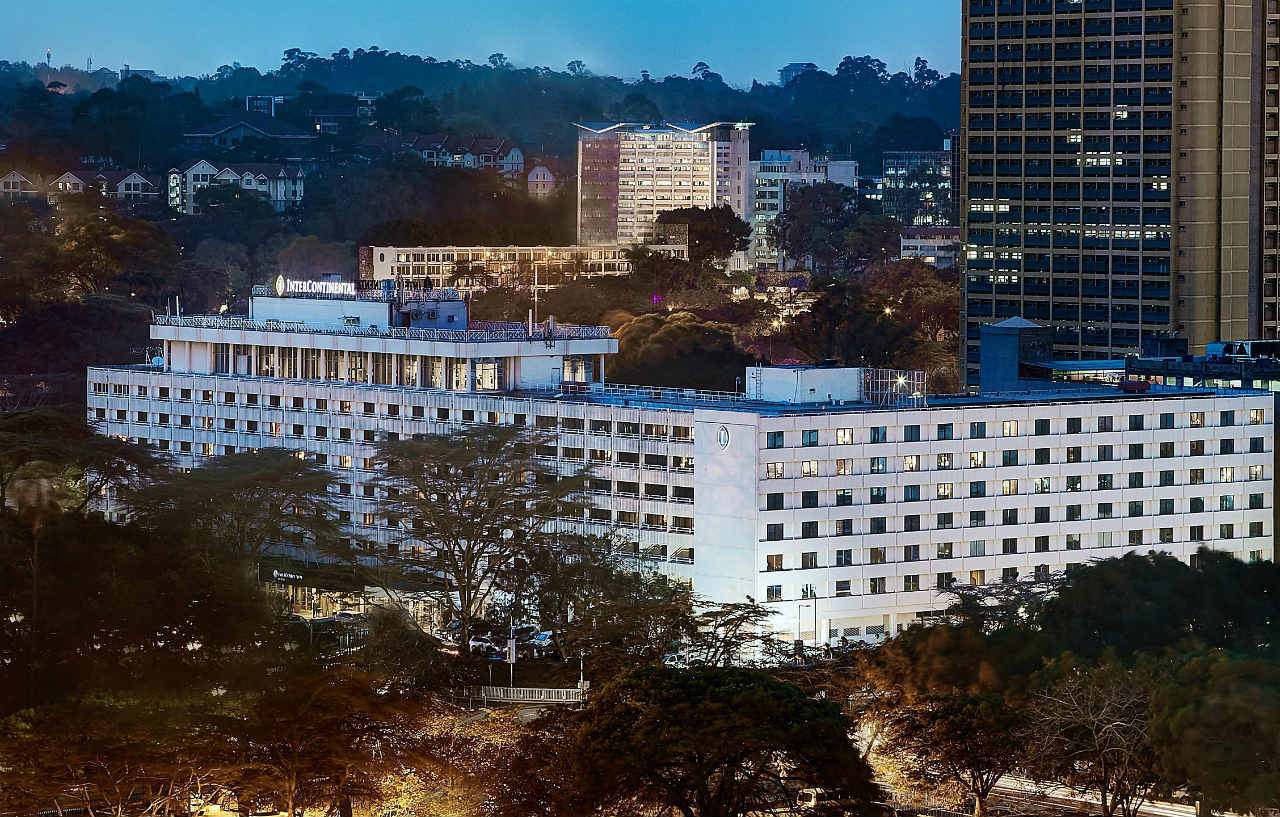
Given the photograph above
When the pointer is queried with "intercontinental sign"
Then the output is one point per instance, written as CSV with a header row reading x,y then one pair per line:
x,y
291,286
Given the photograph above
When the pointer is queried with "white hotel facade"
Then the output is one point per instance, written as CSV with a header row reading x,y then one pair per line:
x,y
836,496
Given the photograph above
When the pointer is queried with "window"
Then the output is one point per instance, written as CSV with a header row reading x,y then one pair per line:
x,y
773,592
944,462
977,577
809,560
1227,474
1227,503
944,490
1166,535
1256,501
910,583
844,527
809,437
1255,472
1042,514
978,547
877,585
977,430
1196,476
1135,451
1042,456
1073,483
1197,448
1166,478
1197,533
944,520
809,530
1104,510
977,459
977,519
844,557
911,462
844,467
808,499
1105,453
1104,424
1226,531
877,556
1009,457
1073,541
1197,504
1226,446
1197,419
1256,416
879,434
944,550
1009,546
977,489
1042,544
1009,428
944,580
878,524
1135,422
1135,538
1009,487
1073,513
1227,418
1042,427
1073,425
1009,575
773,470
1166,507
879,465
773,502
911,493
844,436
879,496
1135,508
911,434
1256,445
773,532
1255,529
1073,454
911,522
911,553
1042,485
1135,479
844,587
944,431
844,496
773,561
773,439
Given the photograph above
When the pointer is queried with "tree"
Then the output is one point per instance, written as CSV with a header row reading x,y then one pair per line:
x,y
100,250
407,109
1214,724
812,227
964,739
319,738
636,107
577,68
464,507
872,239
709,742
843,325
715,233
230,212
243,505
1090,730
499,62
679,350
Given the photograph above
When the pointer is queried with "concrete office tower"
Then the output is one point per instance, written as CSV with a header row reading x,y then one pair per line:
x,y
1266,28
1106,152
629,172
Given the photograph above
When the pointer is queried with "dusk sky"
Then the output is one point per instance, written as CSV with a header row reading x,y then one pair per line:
x,y
741,40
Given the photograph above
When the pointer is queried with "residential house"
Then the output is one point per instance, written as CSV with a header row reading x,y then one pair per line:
x,y
231,131
124,185
546,176
17,184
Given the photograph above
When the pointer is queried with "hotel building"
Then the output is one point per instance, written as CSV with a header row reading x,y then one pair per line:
x,y
629,173
841,498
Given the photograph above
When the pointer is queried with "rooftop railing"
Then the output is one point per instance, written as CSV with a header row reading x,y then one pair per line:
x,y
481,331
366,291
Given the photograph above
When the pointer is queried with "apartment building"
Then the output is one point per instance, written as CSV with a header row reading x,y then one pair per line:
x,y
771,177
841,498
1107,151
939,246
467,269
629,173
1266,165
282,185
